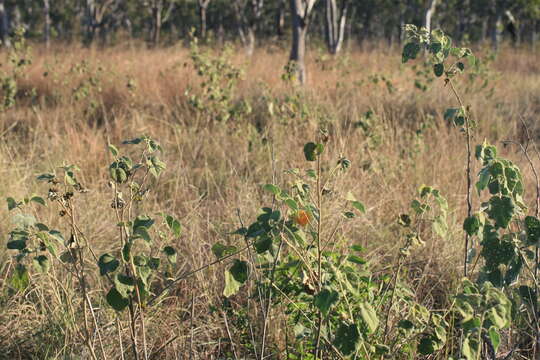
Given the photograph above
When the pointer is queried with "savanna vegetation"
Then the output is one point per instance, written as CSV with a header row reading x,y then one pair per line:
x,y
269,180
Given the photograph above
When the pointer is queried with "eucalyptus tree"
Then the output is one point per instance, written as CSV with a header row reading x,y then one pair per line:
x,y
248,14
300,12
160,15
203,9
336,19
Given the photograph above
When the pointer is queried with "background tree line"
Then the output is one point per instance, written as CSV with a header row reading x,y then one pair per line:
x,y
250,21
338,23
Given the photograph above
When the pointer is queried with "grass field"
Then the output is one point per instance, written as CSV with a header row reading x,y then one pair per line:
x,y
72,102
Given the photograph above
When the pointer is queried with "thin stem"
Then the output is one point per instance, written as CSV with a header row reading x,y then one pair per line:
x,y
469,177
319,253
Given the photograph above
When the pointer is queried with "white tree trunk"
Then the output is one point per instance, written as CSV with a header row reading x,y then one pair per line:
x,y
429,13
300,10
47,23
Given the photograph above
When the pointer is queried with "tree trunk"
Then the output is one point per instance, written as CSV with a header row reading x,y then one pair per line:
x,y
203,6
496,27
157,8
4,30
429,14
300,11
335,25
280,19
47,23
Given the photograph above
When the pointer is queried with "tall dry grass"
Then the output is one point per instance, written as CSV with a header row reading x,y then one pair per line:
x,y
215,171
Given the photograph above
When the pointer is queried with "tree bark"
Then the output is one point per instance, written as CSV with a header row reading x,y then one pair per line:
x,y
4,30
336,20
47,23
203,6
432,4
496,25
157,7
280,19
300,11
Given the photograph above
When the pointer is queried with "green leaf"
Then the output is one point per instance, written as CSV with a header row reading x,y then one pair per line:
x,y
470,348
235,277
12,204
325,299
501,209
116,300
356,259
369,316
124,284
410,51
16,244
144,221
532,226
174,225
114,150
170,252
107,263
471,225
359,206
38,200
427,345
312,150
272,188
291,204
221,250
262,244
20,278
46,177
494,337
438,69
141,232
118,174
41,263
155,165
347,338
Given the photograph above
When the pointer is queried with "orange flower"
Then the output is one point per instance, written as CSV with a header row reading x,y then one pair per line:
x,y
301,218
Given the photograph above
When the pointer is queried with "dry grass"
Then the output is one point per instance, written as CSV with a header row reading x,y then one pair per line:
x,y
215,171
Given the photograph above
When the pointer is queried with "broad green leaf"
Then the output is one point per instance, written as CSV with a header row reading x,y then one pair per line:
x,y
221,250
114,150
174,225
116,300
272,188
438,69
20,278
369,316
235,277
471,225
170,252
107,263
501,209
494,337
532,225
39,200
41,263
124,284
347,338
312,150
262,244
16,244
12,204
325,299
410,51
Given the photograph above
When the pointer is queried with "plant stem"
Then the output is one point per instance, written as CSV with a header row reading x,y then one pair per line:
x,y
469,177
319,258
